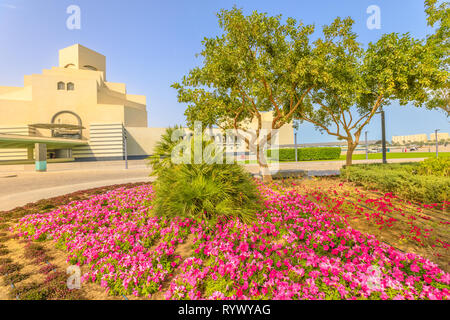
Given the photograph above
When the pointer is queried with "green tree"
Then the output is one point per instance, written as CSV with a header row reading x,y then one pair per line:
x,y
438,16
356,83
258,64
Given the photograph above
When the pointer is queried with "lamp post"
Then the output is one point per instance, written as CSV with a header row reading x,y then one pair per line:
x,y
125,147
437,143
367,147
295,145
383,136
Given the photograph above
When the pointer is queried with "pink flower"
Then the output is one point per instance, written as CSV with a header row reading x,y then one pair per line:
x,y
415,268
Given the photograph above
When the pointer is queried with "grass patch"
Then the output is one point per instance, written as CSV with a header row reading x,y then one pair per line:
x,y
397,155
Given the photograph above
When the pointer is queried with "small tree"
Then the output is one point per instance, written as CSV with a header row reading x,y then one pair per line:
x,y
356,83
439,43
257,65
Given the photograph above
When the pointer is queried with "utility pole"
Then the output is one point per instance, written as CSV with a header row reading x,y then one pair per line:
x,y
437,143
383,136
367,147
295,143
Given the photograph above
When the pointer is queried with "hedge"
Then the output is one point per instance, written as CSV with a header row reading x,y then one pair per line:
x,y
307,154
401,180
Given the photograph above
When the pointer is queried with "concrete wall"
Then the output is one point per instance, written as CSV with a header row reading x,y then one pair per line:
x,y
141,141
16,154
80,57
105,143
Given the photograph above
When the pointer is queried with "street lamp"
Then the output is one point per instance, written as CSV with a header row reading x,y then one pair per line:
x,y
367,147
383,136
437,144
295,143
125,147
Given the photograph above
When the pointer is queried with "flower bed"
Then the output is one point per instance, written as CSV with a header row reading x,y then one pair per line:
x,y
295,250
424,222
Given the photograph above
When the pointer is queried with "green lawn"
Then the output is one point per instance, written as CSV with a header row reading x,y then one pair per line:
x,y
397,155
390,155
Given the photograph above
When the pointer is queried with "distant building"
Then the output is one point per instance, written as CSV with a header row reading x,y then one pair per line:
x,y
440,136
410,138
420,138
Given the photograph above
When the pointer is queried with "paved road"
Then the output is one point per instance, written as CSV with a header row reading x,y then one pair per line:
x,y
20,185
23,188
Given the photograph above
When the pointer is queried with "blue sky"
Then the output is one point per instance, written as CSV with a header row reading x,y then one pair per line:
x,y
151,44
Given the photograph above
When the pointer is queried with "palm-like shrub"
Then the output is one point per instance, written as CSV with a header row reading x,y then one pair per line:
x,y
206,191
201,191
161,158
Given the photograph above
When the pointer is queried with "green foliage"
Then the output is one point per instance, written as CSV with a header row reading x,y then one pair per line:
x,y
356,82
308,154
258,64
221,284
161,157
401,179
206,191
438,17
435,166
203,190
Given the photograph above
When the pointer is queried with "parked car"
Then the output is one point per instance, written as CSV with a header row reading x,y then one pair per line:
x,y
413,149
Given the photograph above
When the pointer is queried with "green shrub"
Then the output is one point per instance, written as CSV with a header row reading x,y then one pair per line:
x,y
307,154
435,166
400,179
203,191
206,191
161,157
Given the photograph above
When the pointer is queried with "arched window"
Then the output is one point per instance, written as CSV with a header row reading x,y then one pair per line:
x,y
61,86
70,86
90,68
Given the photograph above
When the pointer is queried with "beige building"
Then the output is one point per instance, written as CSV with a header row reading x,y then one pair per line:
x,y
411,138
440,136
79,115
420,138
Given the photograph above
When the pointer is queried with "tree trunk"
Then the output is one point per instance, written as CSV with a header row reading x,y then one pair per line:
x,y
265,172
351,146
263,166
